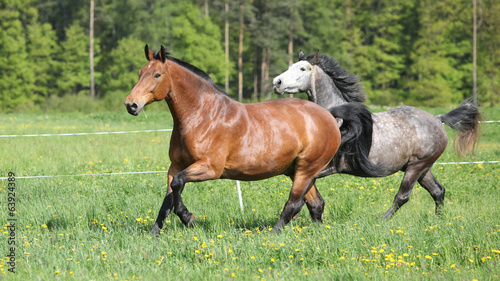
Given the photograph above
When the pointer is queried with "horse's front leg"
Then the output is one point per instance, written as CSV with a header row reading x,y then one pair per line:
x,y
198,171
167,205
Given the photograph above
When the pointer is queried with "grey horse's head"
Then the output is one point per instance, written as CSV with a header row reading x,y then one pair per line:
x,y
325,82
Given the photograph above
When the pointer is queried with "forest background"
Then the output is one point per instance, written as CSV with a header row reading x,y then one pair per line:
x,y
68,55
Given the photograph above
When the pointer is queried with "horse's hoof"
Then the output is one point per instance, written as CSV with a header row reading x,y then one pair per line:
x,y
387,216
191,222
155,231
275,231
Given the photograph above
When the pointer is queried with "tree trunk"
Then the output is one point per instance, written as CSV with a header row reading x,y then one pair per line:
x,y
91,51
474,54
290,41
226,41
255,74
240,55
266,74
263,72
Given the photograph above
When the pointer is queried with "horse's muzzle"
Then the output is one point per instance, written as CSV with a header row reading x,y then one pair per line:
x,y
276,86
133,108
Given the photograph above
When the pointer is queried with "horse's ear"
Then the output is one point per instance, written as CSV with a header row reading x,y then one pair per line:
x,y
163,54
301,55
149,54
315,59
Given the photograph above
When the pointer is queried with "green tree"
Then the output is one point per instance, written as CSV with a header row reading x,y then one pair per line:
x,y
489,54
16,72
326,29
441,59
74,62
126,60
42,48
197,40
379,59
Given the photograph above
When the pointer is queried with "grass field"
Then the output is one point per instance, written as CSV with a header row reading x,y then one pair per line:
x,y
95,227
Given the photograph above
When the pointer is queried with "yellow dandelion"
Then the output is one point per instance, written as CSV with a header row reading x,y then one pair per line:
x,y
44,226
56,272
428,257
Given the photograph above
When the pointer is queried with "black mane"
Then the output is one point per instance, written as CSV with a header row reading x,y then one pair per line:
x,y
193,69
349,85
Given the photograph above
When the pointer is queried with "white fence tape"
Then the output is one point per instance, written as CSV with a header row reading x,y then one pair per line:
x,y
84,134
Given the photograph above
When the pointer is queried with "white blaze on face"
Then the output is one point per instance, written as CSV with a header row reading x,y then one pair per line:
x,y
295,80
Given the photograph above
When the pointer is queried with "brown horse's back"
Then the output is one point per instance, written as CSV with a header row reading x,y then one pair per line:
x,y
279,134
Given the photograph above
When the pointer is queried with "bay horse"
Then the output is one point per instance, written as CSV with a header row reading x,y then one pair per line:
x,y
404,139
216,137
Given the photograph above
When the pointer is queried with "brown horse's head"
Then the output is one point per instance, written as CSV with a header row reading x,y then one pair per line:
x,y
154,83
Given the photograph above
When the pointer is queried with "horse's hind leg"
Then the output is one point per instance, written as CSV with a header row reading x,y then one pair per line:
x,y
315,204
301,185
411,175
436,189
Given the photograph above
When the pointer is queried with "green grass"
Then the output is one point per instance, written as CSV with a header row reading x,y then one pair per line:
x,y
96,227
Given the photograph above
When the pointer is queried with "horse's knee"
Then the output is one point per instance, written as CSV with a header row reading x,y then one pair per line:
x,y
177,181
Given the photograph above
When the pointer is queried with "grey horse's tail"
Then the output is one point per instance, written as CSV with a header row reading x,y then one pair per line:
x,y
464,119
356,139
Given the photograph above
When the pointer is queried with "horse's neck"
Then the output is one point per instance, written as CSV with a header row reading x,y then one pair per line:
x,y
323,91
190,94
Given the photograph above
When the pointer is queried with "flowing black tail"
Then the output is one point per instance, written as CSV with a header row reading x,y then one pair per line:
x,y
356,132
464,119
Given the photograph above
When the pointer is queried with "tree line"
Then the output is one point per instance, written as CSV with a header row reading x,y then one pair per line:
x,y
417,52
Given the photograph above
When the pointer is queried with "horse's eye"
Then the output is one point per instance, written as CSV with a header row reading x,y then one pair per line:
x,y
157,75
302,69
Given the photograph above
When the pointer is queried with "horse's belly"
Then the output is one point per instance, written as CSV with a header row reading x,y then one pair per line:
x,y
258,167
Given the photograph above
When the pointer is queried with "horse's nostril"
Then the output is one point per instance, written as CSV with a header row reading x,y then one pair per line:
x,y
131,107
278,82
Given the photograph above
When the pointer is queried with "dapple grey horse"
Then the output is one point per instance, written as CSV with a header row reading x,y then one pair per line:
x,y
404,139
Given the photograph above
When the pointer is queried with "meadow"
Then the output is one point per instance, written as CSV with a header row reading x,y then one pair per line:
x,y
91,226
